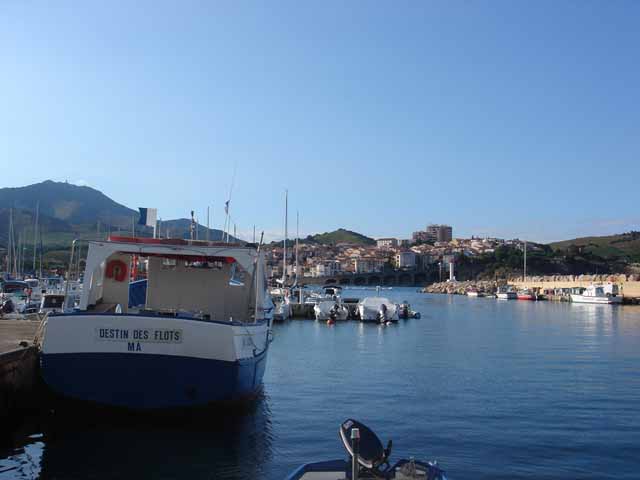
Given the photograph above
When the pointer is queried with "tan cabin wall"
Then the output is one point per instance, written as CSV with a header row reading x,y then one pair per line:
x,y
117,292
198,289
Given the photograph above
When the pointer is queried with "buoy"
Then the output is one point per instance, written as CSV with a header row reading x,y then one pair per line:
x,y
330,322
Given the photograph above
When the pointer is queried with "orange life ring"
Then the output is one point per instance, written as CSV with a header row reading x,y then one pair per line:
x,y
117,270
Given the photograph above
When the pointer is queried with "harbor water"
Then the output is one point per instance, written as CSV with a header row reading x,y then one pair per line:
x,y
490,389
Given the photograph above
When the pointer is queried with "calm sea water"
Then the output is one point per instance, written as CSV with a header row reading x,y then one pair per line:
x,y
491,389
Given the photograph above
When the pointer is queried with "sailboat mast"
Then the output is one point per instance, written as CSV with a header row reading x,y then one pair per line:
x,y
284,246
9,241
207,224
297,244
35,237
525,262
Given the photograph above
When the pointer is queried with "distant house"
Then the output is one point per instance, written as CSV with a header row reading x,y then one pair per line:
x,y
327,268
406,259
386,242
368,265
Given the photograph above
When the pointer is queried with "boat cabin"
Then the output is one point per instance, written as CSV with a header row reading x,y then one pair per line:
x,y
192,279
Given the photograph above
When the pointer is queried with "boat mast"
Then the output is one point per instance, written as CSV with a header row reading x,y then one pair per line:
x,y
35,237
297,243
525,262
284,246
207,224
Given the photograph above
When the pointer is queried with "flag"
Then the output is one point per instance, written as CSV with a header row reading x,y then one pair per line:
x,y
226,207
148,216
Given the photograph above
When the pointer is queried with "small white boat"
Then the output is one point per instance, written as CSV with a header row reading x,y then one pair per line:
x,y
282,304
377,309
330,310
52,303
600,294
506,293
474,293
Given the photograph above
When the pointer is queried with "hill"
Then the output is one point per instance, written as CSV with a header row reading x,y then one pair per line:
x,y
70,203
340,236
624,247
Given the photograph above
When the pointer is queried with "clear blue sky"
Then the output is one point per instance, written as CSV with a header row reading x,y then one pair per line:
x,y
505,118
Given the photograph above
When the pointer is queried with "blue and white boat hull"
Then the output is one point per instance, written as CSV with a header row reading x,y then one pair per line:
x,y
150,362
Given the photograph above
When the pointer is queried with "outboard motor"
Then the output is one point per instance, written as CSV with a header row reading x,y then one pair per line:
x,y
382,314
404,310
370,458
8,306
333,312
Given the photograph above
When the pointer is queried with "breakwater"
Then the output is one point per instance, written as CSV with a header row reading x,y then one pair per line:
x,y
629,284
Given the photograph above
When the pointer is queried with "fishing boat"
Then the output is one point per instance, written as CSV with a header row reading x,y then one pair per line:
x,y
367,458
601,294
377,309
506,292
526,294
201,336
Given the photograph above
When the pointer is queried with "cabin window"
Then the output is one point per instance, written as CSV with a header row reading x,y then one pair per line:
x,y
205,265
169,263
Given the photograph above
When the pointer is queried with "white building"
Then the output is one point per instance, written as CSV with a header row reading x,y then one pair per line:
x,y
368,265
387,242
406,260
327,268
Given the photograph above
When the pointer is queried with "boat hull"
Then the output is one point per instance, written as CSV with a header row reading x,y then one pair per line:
x,y
149,382
143,363
506,296
596,300
526,297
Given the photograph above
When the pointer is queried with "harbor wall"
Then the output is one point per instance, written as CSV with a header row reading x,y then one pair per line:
x,y
629,288
18,381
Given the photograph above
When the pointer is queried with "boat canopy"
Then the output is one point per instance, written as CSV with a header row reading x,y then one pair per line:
x,y
214,279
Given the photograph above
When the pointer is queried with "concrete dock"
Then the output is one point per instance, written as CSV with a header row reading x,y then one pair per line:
x,y
18,365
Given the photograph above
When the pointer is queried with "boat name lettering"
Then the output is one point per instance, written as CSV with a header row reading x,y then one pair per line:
x,y
149,335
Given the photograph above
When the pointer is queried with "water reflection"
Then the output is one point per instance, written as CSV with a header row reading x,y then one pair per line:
x,y
225,444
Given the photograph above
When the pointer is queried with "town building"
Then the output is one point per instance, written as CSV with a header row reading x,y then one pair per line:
x,y
406,259
368,265
327,268
439,233
387,242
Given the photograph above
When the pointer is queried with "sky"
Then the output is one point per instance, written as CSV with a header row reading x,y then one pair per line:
x,y
500,118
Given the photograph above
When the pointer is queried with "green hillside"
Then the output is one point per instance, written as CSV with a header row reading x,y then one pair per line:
x,y
340,236
625,246
67,202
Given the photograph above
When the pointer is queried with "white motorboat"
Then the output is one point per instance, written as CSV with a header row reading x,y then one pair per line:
x,y
328,309
600,294
282,304
506,292
474,293
377,309
201,336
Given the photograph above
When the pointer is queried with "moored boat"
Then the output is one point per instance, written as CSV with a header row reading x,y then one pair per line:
x,y
526,294
377,309
506,293
607,294
201,336
328,309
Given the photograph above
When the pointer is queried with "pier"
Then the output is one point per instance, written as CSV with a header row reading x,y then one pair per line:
x,y
18,365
